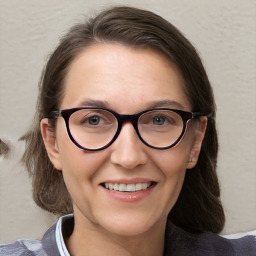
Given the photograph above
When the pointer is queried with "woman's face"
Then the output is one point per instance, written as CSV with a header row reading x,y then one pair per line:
x,y
126,81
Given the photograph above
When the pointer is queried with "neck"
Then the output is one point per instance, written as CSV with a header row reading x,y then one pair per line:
x,y
91,240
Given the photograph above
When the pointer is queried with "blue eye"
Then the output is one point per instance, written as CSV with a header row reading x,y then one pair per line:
x,y
94,120
159,120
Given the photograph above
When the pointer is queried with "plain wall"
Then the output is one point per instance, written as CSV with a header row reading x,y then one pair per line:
x,y
224,32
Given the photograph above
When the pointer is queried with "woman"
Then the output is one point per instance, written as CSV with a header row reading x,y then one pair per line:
x,y
124,144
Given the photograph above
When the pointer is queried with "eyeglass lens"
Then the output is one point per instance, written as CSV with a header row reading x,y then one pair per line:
x,y
95,128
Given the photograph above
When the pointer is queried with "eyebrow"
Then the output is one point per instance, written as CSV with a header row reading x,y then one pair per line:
x,y
156,104
94,103
166,103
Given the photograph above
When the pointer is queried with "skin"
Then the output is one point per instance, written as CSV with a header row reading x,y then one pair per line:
x,y
127,81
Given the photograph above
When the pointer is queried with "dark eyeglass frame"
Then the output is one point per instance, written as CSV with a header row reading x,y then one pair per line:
x,y
121,119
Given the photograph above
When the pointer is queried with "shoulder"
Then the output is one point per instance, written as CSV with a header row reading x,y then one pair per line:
x,y
185,243
245,245
51,244
22,247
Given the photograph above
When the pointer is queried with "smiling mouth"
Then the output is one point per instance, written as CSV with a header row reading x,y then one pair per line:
x,y
127,187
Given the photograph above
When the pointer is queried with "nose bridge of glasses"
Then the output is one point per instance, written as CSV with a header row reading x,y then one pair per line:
x,y
125,119
122,119
128,119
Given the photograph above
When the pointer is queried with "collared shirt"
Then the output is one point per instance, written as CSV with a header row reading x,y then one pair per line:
x,y
177,242
59,237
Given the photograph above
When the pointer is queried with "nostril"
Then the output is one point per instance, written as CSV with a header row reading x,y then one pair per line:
x,y
128,160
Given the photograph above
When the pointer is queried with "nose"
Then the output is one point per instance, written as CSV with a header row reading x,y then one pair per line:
x,y
128,151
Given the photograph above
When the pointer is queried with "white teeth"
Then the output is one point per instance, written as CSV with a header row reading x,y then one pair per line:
x,y
144,185
122,187
110,186
127,187
130,187
138,186
116,186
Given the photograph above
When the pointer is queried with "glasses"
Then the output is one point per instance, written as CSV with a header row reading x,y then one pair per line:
x,y
97,128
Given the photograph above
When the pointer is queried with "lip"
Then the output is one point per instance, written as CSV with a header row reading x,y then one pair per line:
x,y
128,196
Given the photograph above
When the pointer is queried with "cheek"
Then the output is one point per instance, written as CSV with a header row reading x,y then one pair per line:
x,y
173,169
173,161
77,164
80,164
172,165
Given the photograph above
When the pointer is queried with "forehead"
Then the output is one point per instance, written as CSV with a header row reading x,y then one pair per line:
x,y
125,78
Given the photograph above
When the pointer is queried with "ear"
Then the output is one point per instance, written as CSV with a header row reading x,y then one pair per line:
x,y
50,143
197,143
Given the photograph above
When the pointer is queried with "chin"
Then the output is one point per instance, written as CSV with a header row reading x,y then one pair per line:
x,y
132,225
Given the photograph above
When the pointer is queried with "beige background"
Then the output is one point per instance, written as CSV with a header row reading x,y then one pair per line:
x,y
223,31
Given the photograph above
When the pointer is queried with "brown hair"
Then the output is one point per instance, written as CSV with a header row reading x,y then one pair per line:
x,y
198,208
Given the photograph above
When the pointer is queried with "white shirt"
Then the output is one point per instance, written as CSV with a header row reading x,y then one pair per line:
x,y
59,238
